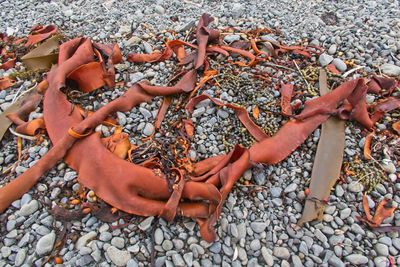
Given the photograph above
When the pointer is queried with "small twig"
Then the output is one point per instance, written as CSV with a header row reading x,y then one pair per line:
x,y
301,74
277,66
16,97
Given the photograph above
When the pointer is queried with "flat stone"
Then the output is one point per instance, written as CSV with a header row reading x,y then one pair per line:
x,y
20,257
291,188
255,245
269,259
357,259
222,114
45,244
86,238
105,236
118,242
132,263
148,129
332,49
281,252
231,38
198,112
276,192
145,112
178,260
258,227
69,176
117,256
29,208
146,223
339,64
390,69
159,9
167,245
269,38
147,47
188,257
388,166
345,213
381,261
325,59
158,236
336,262
136,77
5,251
382,249
355,187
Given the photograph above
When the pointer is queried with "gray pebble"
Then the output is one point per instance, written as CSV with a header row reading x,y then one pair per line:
x,y
390,69
45,244
231,38
357,259
146,223
20,257
281,252
339,64
118,242
29,208
148,129
325,59
332,49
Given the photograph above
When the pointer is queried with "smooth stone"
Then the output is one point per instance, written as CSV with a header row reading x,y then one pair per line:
x,y
339,64
269,259
105,236
20,257
158,236
83,240
276,192
390,69
336,262
222,114
231,38
188,257
117,256
146,113
355,187
382,249
148,129
332,49
291,188
345,213
381,261
255,245
45,244
147,47
146,223
132,263
167,245
118,242
178,260
136,77
388,166
29,208
325,59
198,112
357,259
69,176
258,227
281,252
159,9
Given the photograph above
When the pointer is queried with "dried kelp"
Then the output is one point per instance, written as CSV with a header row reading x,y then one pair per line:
x,y
150,186
327,163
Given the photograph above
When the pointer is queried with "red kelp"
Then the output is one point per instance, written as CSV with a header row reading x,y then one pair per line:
x,y
145,189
